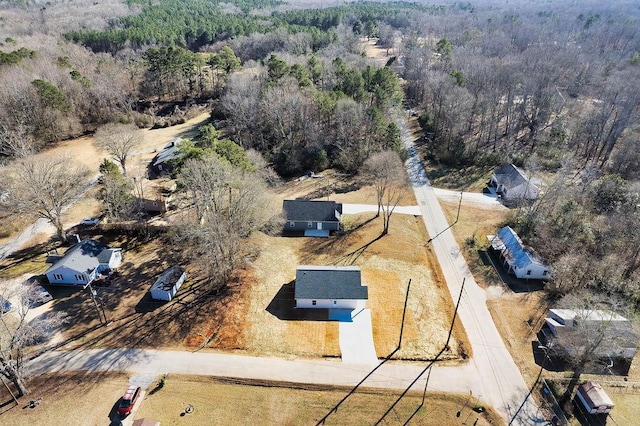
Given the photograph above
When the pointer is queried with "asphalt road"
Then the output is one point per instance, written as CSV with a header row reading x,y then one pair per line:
x,y
491,375
495,376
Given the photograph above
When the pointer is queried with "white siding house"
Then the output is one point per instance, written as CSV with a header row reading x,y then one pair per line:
x,y
83,263
332,287
518,259
511,183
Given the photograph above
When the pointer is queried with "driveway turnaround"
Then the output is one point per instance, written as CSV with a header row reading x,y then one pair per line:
x,y
356,339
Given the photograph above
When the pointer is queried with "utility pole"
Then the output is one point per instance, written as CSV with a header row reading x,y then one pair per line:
x,y
92,292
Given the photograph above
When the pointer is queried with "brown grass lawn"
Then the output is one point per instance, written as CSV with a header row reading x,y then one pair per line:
x,y
84,152
88,399
247,316
519,316
387,265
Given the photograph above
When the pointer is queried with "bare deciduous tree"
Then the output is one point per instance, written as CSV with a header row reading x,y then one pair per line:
x,y
17,333
230,205
387,173
118,140
116,194
597,333
16,143
43,187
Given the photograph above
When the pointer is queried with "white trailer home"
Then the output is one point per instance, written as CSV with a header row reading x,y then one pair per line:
x,y
168,283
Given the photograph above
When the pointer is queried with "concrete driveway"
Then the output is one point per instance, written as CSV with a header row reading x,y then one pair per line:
x,y
356,337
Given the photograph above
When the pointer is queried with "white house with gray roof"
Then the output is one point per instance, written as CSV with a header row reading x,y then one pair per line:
x,y
335,287
511,183
83,263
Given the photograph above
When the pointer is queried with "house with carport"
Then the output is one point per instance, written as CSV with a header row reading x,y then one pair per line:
x,y
511,184
518,259
83,263
315,218
333,287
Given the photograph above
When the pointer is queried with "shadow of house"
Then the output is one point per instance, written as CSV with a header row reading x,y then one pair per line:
x,y
283,306
311,218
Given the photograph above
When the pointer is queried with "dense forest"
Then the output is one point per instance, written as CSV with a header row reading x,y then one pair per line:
x,y
548,86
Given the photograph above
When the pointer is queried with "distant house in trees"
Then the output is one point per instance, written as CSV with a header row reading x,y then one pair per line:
x,y
519,260
335,287
83,263
560,324
512,184
314,218
161,163
150,206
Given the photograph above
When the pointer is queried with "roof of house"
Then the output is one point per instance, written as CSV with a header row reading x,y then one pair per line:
x,y
170,151
168,278
308,210
568,315
514,251
329,282
85,256
511,176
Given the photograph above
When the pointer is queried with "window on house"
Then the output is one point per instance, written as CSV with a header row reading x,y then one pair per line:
x,y
545,272
335,302
309,224
292,224
57,277
313,302
528,271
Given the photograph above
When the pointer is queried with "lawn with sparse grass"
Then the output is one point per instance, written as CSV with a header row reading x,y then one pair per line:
x,y
91,399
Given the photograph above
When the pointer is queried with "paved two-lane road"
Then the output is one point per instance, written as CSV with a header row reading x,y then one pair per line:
x,y
495,375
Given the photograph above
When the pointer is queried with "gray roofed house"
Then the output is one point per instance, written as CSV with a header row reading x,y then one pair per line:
x,y
83,263
511,183
619,341
161,162
314,218
338,287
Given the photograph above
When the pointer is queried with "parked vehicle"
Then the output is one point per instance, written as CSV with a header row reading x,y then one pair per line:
x,y
128,400
5,305
90,221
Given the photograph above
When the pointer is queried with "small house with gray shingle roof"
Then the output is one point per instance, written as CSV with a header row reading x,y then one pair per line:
x,y
335,287
511,183
314,218
161,163
83,263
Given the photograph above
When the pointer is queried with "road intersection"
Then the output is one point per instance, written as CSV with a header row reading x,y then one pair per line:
x,y
490,374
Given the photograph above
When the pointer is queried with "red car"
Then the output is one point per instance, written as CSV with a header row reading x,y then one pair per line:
x,y
128,400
